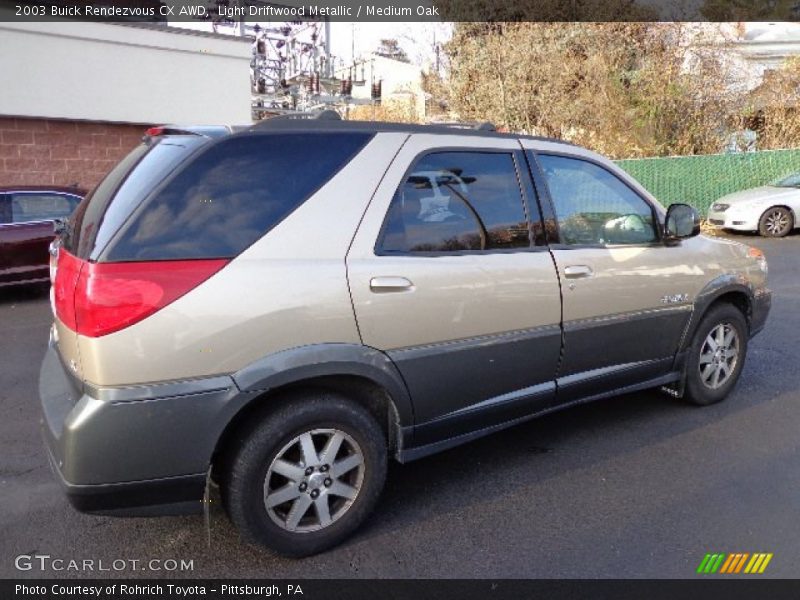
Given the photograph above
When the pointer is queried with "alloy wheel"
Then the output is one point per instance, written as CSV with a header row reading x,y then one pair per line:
x,y
719,355
314,480
777,222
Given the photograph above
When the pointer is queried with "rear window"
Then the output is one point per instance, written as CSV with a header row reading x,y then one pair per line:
x,y
108,206
231,194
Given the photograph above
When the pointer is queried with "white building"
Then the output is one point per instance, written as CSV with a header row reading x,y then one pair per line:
x,y
401,82
77,96
764,46
752,49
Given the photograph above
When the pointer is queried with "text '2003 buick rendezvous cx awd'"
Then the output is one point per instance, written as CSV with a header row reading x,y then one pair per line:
x,y
285,307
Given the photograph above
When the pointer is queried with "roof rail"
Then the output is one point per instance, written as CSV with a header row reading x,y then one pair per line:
x,y
476,125
318,115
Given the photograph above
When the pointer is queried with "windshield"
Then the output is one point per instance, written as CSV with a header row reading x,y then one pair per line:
x,y
792,180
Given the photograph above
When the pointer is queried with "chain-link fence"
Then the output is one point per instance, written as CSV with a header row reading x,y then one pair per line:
x,y
700,180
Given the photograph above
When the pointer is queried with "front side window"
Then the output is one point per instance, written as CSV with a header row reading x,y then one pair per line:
x,y
26,208
457,201
593,206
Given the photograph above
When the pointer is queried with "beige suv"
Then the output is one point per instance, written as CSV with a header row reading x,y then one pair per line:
x,y
282,309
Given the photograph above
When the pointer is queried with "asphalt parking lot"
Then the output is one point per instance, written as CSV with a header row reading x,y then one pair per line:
x,y
637,486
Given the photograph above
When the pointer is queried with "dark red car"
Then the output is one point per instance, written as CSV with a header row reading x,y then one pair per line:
x,y
27,215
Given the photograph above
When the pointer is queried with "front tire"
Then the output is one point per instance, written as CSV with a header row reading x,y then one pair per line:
x,y
776,222
307,475
716,356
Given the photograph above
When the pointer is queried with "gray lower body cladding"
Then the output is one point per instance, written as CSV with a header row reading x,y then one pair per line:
x,y
470,384
146,449
129,448
762,303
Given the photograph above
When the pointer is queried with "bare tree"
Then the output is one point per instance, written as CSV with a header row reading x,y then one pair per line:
x,y
390,48
397,110
626,89
773,109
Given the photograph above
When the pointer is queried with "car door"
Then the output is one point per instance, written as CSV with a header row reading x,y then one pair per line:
x,y
447,278
28,232
625,292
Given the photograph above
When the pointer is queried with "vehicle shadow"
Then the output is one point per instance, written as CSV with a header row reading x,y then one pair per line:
x,y
548,447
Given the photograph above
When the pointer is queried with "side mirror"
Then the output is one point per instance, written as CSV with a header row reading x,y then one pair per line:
x,y
682,221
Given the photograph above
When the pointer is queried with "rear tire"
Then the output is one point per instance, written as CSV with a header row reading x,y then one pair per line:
x,y
776,222
716,356
307,475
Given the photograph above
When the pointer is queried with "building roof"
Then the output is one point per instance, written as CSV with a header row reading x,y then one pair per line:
x,y
772,32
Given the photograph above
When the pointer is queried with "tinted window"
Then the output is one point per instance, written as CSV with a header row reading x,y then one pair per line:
x,y
120,192
593,206
231,194
455,201
82,226
165,155
41,207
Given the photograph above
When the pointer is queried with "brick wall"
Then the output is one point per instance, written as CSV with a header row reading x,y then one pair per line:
x,y
59,152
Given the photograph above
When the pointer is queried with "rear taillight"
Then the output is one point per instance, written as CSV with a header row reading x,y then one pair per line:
x,y
67,270
107,297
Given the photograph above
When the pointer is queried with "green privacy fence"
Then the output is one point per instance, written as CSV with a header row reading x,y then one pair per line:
x,y
699,180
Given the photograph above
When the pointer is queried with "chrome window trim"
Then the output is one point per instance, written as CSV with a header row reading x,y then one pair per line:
x,y
27,223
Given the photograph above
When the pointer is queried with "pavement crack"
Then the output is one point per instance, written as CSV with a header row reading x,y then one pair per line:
x,y
18,472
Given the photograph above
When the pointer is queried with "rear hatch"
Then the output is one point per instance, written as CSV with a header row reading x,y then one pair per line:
x,y
92,298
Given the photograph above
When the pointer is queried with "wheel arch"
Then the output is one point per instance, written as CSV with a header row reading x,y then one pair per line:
x,y
727,288
365,375
786,206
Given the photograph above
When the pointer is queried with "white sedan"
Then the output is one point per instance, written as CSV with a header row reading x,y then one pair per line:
x,y
771,210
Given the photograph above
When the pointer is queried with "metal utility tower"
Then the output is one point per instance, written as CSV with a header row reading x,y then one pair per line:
x,y
291,68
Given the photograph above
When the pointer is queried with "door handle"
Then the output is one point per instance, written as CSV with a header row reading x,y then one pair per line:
x,y
390,284
577,271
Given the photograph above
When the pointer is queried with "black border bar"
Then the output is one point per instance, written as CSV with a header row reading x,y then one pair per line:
x,y
491,11
733,588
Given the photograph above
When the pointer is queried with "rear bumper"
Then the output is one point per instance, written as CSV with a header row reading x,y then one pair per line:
x,y
136,450
156,497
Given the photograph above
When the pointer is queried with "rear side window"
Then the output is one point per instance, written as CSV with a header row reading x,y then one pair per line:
x,y
231,194
457,201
